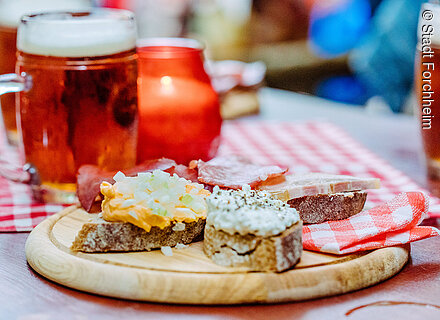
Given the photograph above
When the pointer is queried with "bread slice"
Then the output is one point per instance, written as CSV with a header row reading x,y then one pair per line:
x,y
320,197
103,236
272,253
328,207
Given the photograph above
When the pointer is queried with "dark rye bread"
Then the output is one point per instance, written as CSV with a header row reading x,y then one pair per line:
x,y
102,236
328,207
273,253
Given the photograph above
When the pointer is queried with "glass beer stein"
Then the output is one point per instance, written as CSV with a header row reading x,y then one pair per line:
x,y
10,14
77,101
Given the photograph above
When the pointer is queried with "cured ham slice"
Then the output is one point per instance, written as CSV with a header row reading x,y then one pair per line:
x,y
184,172
89,178
150,165
233,172
311,184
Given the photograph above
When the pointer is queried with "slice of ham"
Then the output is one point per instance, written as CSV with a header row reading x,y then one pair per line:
x,y
233,172
150,165
310,184
184,172
90,177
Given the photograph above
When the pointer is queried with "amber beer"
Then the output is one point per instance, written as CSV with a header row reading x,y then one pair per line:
x,y
10,14
427,88
80,104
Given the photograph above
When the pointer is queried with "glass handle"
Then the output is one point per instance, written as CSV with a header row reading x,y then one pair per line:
x,y
27,174
11,82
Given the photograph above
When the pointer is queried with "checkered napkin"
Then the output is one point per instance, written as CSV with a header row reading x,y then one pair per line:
x,y
393,223
303,147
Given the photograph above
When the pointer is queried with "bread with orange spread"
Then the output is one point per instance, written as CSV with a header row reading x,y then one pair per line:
x,y
151,210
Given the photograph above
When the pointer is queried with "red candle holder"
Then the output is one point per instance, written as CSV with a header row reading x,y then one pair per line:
x,y
179,111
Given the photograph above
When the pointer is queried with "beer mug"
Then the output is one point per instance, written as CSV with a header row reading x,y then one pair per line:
x,y
77,95
427,90
10,14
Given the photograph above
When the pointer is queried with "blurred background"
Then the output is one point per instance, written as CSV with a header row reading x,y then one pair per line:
x,y
343,50
358,52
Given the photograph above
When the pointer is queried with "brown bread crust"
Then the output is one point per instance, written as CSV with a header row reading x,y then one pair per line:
x,y
328,207
274,253
103,236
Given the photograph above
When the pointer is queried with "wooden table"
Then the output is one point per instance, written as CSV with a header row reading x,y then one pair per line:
x,y
26,295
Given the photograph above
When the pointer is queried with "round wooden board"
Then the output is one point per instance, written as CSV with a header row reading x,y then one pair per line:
x,y
190,277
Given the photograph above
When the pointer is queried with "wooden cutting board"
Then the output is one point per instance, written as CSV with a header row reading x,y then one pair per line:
x,y
190,277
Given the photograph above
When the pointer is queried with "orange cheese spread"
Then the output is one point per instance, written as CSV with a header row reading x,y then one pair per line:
x,y
153,199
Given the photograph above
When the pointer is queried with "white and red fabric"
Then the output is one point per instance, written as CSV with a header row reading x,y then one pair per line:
x,y
393,223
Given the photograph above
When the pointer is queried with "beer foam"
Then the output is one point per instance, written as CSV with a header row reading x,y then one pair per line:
x,y
426,20
61,35
12,10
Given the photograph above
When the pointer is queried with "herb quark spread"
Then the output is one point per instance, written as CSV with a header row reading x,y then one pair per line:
x,y
249,212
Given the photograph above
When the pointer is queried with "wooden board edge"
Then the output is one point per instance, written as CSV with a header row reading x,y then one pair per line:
x,y
389,261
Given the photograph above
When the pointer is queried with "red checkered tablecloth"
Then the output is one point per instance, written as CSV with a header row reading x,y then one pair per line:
x,y
303,147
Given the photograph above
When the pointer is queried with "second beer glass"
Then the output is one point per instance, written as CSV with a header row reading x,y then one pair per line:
x,y
427,90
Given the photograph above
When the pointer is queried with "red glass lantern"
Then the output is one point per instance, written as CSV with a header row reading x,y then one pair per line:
x,y
179,111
